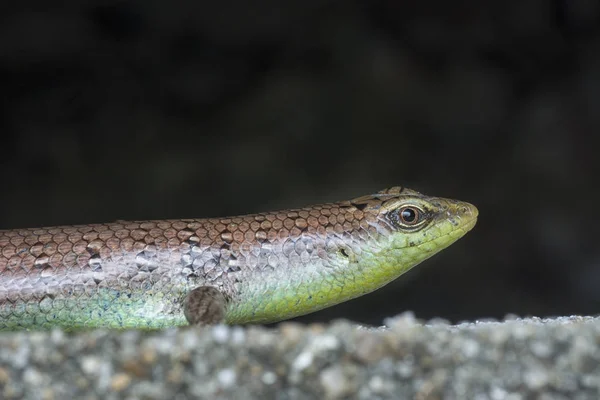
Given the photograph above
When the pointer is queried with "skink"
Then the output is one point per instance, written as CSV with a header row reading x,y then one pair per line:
x,y
257,268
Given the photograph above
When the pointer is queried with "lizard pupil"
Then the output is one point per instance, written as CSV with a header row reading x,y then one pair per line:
x,y
409,215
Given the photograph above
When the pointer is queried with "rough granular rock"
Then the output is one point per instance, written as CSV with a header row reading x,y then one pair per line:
x,y
514,359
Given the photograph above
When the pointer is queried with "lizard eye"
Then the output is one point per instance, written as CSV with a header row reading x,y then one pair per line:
x,y
408,216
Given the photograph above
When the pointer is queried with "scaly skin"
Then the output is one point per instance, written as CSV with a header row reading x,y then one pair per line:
x,y
269,266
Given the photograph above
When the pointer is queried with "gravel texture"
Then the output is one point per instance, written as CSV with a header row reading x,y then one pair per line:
x,y
515,359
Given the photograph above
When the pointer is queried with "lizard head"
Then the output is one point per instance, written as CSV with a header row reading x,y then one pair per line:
x,y
408,227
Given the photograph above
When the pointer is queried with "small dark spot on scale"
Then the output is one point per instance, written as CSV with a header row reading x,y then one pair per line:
x,y
360,207
411,244
234,269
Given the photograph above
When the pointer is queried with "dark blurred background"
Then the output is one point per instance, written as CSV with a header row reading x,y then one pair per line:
x,y
154,109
